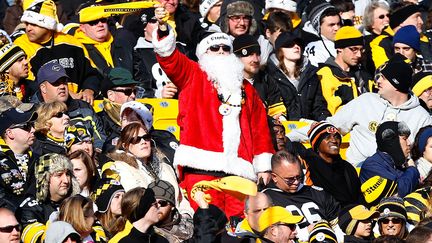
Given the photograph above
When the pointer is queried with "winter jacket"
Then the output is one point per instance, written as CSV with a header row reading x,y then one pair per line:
x,y
15,175
306,101
381,48
81,111
115,52
340,87
382,164
65,50
269,93
132,235
338,178
45,145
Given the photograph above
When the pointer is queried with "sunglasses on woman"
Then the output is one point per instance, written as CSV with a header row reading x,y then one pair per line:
x,y
382,16
10,228
59,114
146,137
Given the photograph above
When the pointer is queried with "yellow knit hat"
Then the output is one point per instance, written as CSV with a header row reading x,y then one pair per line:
x,y
348,36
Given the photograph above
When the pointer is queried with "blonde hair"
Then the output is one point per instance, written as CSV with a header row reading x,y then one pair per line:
x,y
72,211
45,112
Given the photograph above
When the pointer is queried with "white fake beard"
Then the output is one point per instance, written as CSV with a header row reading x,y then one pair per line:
x,y
226,70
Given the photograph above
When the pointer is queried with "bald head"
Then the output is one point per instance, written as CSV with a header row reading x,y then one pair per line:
x,y
254,206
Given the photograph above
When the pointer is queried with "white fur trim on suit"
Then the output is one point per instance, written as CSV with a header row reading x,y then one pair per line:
x,y
262,162
212,161
166,46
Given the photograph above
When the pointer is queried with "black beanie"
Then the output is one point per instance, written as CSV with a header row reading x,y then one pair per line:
x,y
387,138
398,72
144,205
400,15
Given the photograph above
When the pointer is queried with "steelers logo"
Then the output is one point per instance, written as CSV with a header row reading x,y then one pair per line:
x,y
320,237
373,125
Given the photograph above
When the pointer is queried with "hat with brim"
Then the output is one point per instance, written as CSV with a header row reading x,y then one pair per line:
x,y
276,215
287,40
51,72
15,116
361,213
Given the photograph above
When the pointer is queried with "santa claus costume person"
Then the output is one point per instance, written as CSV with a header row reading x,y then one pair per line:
x,y
223,125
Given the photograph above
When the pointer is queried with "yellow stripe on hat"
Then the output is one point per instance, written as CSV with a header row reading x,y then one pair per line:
x,y
104,11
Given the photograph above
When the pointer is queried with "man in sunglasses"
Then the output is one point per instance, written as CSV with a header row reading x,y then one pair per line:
x,y
342,78
287,189
174,224
44,42
223,124
53,84
9,227
17,161
278,225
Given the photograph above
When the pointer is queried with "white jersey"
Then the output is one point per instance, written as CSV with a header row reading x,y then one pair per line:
x,y
319,51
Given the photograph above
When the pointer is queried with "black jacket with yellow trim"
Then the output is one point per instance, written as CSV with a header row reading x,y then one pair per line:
x,y
340,87
381,48
14,179
65,50
269,94
306,101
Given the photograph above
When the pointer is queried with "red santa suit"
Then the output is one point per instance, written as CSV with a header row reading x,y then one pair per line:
x,y
237,144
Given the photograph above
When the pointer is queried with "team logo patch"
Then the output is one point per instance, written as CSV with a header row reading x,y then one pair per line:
x,y
373,125
320,236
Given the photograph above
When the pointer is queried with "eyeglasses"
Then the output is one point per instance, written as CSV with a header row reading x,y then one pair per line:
x,y
356,50
382,16
95,22
237,18
127,92
146,137
394,220
163,203
290,226
10,228
215,48
59,114
24,126
290,181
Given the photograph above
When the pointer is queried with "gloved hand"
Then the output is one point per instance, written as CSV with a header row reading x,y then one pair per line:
x,y
345,92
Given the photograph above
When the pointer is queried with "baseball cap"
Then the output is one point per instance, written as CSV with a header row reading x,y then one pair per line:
x,y
51,72
15,116
277,215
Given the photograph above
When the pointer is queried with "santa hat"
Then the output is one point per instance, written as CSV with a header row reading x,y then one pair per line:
x,y
287,5
8,55
210,40
42,13
205,6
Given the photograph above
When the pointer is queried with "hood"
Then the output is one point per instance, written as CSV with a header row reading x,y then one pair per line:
x,y
307,27
411,103
83,38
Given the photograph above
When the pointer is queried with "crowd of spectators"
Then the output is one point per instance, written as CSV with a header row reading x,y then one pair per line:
x,y
80,159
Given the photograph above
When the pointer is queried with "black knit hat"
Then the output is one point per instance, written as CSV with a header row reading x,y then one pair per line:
x,y
104,192
319,131
315,9
392,207
163,190
400,15
245,45
398,72
387,139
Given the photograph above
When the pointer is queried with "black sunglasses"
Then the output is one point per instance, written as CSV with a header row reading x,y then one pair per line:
x,y
127,92
59,114
382,16
163,203
24,126
394,220
95,22
10,228
216,48
146,137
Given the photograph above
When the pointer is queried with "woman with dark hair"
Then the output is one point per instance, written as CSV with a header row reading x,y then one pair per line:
x,y
139,164
299,86
78,211
393,217
84,170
